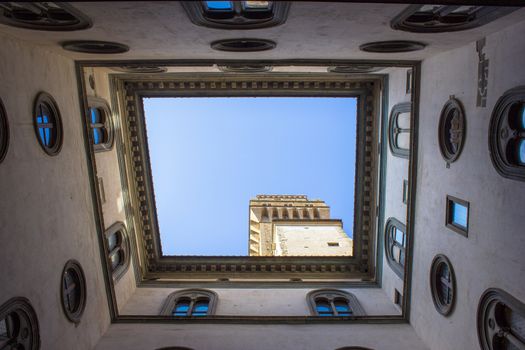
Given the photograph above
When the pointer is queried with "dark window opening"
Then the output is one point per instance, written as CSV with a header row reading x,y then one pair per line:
x,y
73,291
442,284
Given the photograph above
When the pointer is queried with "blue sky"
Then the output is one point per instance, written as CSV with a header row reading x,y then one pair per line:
x,y
210,156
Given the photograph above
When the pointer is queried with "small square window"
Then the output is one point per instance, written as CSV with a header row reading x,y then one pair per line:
x,y
405,191
457,215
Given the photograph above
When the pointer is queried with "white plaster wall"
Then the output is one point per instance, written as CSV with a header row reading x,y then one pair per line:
x,y
108,169
258,301
492,255
396,172
260,337
46,211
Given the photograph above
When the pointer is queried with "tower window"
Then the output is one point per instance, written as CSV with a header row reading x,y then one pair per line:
x,y
457,215
18,325
47,124
327,302
399,130
442,284
190,302
73,291
395,245
4,132
500,321
237,14
118,249
101,124
507,134
443,18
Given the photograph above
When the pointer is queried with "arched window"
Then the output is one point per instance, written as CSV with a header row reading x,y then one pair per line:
x,y
53,16
507,134
395,245
446,18
442,284
500,321
47,124
190,303
399,130
18,325
118,249
333,302
237,14
101,124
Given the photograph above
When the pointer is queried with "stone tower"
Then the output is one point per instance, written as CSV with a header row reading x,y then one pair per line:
x,y
292,225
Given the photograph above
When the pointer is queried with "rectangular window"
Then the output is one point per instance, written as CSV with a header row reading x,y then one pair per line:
x,y
457,215
398,298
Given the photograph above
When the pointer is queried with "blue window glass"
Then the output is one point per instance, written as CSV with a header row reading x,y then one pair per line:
x,y
459,214
200,308
95,115
342,308
399,236
521,151
97,136
97,125
219,5
323,308
182,308
44,128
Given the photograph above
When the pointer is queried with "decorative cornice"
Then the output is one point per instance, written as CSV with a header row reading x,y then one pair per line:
x,y
158,266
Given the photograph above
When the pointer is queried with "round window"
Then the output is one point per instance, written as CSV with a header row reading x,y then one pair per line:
x,y
47,124
452,130
442,284
73,291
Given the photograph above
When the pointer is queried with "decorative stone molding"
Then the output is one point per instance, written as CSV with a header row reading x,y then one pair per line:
x,y
133,88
